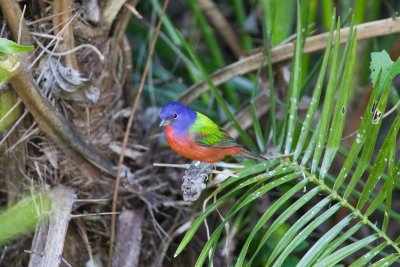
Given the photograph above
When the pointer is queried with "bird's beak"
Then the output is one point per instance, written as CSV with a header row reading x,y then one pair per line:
x,y
165,122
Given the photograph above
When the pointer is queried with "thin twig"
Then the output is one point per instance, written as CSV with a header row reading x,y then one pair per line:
x,y
181,166
20,25
56,26
83,233
185,166
349,135
393,109
133,10
92,200
45,35
65,262
48,17
207,231
8,113
13,15
228,236
14,127
73,50
279,156
75,216
52,41
28,133
127,132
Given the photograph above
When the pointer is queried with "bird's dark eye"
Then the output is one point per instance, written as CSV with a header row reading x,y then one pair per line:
x,y
175,115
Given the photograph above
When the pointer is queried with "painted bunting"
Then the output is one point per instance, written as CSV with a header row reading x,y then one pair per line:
x,y
195,136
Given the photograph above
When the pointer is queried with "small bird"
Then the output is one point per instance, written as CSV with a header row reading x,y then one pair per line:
x,y
195,136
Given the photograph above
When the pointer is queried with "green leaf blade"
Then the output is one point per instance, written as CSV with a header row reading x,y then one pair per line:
x,y
387,261
313,253
327,107
285,216
345,252
10,47
295,83
315,96
290,234
305,233
340,111
265,217
380,163
240,204
367,257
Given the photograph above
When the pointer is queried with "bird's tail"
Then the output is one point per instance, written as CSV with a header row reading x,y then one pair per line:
x,y
245,153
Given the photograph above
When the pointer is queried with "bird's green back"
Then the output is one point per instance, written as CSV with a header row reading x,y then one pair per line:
x,y
205,132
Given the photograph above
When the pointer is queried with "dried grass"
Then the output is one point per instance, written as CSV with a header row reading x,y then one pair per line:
x,y
44,164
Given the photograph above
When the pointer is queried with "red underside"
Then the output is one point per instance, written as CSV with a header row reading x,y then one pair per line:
x,y
189,149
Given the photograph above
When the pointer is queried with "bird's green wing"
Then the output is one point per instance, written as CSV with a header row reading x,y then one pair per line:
x,y
206,133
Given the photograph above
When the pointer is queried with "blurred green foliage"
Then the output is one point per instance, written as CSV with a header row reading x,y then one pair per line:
x,y
23,216
9,64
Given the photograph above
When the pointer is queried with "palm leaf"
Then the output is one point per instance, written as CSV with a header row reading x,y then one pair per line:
x,y
328,193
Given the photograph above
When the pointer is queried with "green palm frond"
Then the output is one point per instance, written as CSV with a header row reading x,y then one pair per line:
x,y
363,187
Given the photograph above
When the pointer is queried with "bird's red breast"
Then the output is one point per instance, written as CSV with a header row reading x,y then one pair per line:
x,y
185,146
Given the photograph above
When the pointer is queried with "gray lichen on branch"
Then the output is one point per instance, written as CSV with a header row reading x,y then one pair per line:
x,y
193,182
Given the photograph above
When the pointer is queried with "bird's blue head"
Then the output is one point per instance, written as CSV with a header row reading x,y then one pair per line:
x,y
179,116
